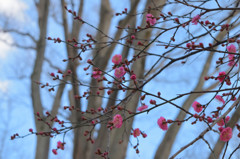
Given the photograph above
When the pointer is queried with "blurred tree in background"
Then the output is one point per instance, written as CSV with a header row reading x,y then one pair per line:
x,y
172,52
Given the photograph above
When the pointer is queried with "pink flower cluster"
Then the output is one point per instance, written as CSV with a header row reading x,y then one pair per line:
x,y
142,108
54,151
195,19
150,19
133,77
231,57
116,59
119,72
60,145
162,123
226,134
222,77
197,106
136,132
221,122
219,98
232,48
117,121
97,74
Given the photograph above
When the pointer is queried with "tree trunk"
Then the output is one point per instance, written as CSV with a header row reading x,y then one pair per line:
x,y
102,140
118,151
83,148
42,147
42,143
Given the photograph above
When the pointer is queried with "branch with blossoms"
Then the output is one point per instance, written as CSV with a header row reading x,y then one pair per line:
x,y
225,133
121,77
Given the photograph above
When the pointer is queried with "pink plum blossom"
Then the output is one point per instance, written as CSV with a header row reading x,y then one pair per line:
x,y
54,151
133,77
150,19
219,98
116,59
143,107
228,82
232,48
221,76
221,122
220,128
227,119
119,72
117,121
231,60
136,132
60,145
162,123
197,106
144,135
97,74
226,134
209,119
195,19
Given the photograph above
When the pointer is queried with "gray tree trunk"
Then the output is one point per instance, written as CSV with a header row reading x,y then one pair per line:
x,y
42,143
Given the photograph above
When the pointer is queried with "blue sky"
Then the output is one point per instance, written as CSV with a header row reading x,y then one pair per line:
x,y
16,66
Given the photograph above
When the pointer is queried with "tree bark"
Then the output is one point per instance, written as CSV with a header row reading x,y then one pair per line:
x,y
42,143
42,146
